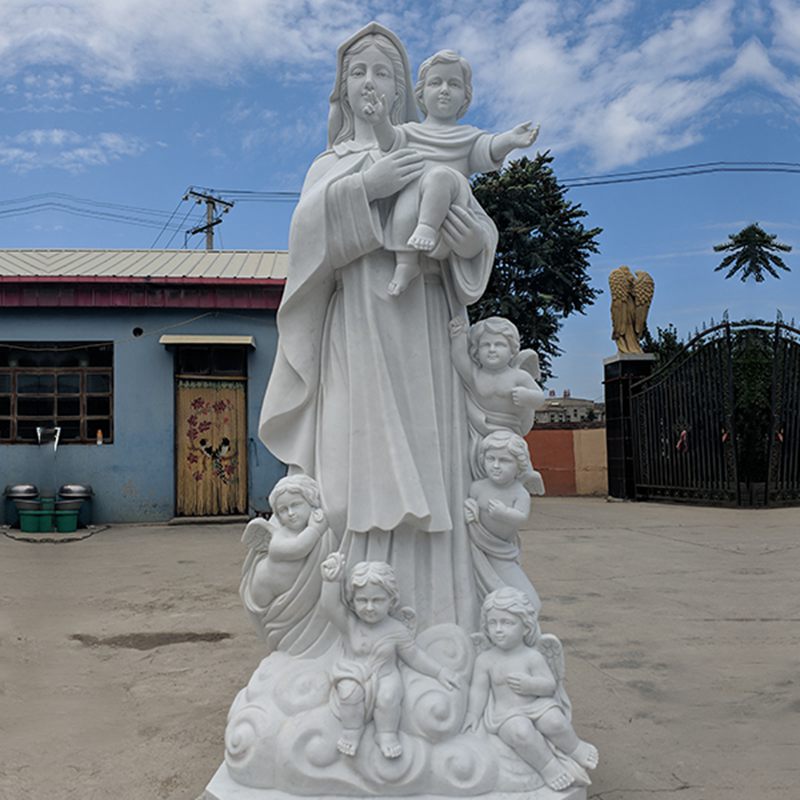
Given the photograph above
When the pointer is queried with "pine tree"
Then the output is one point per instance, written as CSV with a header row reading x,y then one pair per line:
x,y
540,273
752,251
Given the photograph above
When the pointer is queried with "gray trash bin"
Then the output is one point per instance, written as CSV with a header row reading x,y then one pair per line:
x,y
12,493
78,491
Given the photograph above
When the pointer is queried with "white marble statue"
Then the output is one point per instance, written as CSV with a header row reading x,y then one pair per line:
x,y
363,395
376,633
408,480
517,692
452,153
281,584
501,379
498,505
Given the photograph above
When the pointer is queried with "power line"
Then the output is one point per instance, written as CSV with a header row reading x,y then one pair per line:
x,y
684,170
166,223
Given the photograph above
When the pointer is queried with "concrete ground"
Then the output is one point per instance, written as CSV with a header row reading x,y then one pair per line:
x,y
120,654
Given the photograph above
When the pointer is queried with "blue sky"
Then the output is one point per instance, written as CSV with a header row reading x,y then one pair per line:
x,y
131,101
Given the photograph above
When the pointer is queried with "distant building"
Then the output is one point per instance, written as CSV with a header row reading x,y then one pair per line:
x,y
570,411
152,365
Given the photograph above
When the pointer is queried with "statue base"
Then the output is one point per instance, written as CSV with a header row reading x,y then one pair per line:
x,y
223,787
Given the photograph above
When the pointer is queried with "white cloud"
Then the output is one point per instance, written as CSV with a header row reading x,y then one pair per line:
x,y
619,80
65,149
120,42
786,29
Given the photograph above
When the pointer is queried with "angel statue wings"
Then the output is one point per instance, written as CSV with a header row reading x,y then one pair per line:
x,y
517,691
630,301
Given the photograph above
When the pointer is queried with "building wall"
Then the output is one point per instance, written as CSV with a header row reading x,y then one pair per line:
x,y
591,468
134,478
572,460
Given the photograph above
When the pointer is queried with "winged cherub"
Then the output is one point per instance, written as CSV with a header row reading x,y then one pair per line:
x,y
501,380
283,545
376,633
518,692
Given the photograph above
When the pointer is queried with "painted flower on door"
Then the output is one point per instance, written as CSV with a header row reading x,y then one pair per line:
x,y
204,450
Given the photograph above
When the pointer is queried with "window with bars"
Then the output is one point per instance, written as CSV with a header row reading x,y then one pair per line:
x,y
64,384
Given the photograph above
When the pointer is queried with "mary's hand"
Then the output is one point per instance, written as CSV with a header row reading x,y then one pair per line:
x,y
390,174
462,232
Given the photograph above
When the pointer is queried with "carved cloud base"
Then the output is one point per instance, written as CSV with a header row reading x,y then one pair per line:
x,y
281,736
223,787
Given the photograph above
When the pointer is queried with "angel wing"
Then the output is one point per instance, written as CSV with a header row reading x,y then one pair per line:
x,y
408,617
551,648
480,642
258,534
529,361
620,284
643,290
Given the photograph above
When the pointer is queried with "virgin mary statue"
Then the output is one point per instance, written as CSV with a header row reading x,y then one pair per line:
x,y
363,396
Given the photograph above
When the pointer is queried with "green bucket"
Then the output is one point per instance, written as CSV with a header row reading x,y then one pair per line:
x,y
66,521
36,521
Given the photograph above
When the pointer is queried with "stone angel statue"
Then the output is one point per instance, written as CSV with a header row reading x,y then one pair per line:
x,y
518,693
280,583
630,301
376,634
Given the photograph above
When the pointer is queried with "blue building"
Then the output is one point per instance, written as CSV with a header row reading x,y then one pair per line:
x,y
151,366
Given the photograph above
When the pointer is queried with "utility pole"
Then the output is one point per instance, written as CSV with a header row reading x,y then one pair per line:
x,y
211,218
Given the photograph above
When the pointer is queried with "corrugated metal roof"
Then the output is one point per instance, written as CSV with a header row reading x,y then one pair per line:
x,y
139,264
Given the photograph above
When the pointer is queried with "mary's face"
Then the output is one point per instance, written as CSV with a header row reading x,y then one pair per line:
x,y
369,70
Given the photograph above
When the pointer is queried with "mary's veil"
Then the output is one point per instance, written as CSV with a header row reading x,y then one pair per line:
x,y
337,114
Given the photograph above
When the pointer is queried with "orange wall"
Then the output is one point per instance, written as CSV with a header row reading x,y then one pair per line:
x,y
553,454
572,460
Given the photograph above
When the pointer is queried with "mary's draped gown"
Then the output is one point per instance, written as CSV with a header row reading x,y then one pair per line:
x,y
363,396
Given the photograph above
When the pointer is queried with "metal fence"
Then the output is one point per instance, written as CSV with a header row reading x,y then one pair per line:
x,y
720,422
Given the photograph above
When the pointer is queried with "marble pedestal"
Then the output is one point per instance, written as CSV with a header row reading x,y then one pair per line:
x,y
621,371
223,787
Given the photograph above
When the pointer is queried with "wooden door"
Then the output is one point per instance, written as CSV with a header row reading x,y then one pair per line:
x,y
211,448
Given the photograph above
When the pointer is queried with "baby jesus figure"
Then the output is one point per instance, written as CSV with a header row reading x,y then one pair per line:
x,y
451,152
517,691
375,634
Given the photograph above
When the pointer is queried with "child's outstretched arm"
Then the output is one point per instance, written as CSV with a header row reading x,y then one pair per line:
x,y
522,136
459,349
478,695
302,544
418,659
330,598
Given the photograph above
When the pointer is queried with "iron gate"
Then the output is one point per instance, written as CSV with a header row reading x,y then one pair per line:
x,y
783,477
683,425
720,422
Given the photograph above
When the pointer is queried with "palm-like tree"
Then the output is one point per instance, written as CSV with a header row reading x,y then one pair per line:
x,y
752,251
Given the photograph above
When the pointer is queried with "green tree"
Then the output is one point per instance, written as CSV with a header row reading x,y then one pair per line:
x,y
752,252
540,272
665,345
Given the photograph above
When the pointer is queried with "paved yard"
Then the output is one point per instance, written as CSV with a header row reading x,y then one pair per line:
x,y
120,654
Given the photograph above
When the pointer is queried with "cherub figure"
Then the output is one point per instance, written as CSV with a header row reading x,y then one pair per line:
x,y
295,502
452,153
500,379
518,691
497,507
375,633
281,583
